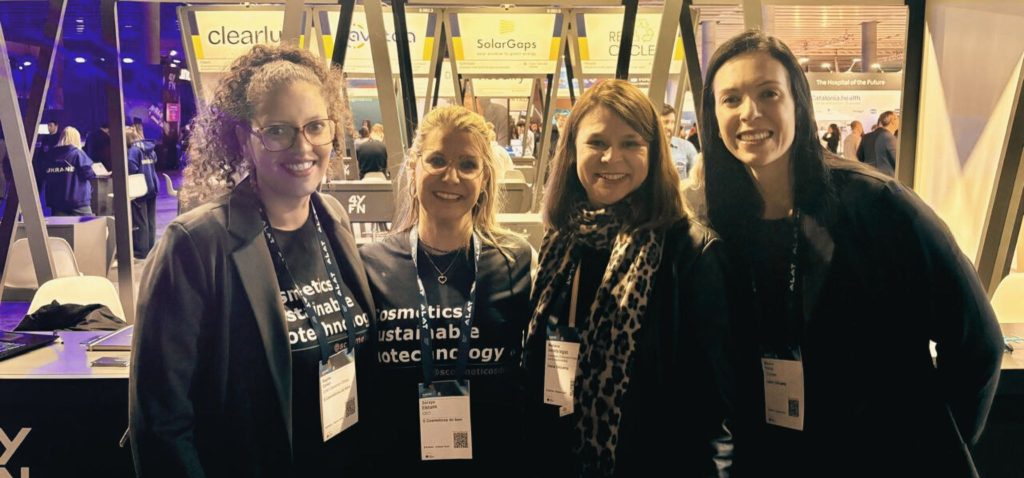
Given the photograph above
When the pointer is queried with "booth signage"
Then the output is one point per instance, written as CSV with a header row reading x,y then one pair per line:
x,y
517,44
600,34
359,60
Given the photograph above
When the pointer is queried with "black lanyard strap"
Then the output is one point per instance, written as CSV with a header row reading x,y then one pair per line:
x,y
286,281
465,327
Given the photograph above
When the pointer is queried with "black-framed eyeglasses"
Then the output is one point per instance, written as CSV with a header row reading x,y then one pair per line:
x,y
279,137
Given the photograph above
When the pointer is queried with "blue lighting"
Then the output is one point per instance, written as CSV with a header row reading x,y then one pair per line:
x,y
128,60
27,63
173,53
79,59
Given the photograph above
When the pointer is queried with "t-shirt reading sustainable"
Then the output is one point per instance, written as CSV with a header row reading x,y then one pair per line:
x,y
305,262
500,317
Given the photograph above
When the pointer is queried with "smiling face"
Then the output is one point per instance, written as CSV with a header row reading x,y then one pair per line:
x,y
611,157
449,175
755,109
294,172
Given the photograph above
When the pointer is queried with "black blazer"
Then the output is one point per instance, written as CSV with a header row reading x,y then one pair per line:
x,y
882,277
211,380
676,413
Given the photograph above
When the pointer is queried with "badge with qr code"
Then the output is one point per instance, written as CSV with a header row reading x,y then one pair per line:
x,y
446,432
783,392
339,403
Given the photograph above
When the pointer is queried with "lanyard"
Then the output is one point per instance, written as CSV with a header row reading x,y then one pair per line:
x,y
792,310
572,283
287,282
465,327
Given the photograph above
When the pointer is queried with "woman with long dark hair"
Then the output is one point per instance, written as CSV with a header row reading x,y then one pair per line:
x,y
831,138
626,359
840,278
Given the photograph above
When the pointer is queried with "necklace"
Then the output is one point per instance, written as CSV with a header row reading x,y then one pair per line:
x,y
442,277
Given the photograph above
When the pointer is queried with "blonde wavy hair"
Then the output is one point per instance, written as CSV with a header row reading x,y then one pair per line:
x,y
449,119
216,163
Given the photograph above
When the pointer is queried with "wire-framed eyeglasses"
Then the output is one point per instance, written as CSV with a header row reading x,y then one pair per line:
x,y
466,168
279,137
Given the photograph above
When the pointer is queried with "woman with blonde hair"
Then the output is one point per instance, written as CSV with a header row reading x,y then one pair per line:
x,y
452,289
254,310
626,360
64,174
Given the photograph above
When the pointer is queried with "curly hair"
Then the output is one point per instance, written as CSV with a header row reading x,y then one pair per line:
x,y
216,160
485,212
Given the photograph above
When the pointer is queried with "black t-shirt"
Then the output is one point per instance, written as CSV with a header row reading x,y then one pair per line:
x,y
770,252
500,317
305,262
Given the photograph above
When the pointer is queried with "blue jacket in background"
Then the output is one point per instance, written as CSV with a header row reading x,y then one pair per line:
x,y
64,173
142,160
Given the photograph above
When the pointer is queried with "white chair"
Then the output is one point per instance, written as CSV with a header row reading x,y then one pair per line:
x,y
21,274
1008,301
78,290
170,186
515,175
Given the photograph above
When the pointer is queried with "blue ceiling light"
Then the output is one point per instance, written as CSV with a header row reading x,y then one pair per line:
x,y
27,63
173,53
79,59
128,60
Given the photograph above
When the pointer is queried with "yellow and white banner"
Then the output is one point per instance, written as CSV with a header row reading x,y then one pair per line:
x,y
219,36
600,35
358,60
516,44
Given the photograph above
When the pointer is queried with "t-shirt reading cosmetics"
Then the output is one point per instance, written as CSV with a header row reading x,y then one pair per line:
x,y
306,264
500,316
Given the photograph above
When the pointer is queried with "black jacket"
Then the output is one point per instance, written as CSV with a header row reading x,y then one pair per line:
x,y
882,276
211,380
675,417
878,148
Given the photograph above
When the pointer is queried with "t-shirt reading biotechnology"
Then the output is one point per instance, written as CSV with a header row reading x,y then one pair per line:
x,y
305,261
500,317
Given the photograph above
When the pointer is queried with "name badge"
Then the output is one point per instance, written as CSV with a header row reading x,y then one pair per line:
x,y
445,429
562,351
783,392
339,402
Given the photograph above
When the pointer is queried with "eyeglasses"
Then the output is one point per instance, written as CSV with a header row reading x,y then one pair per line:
x,y
466,168
280,137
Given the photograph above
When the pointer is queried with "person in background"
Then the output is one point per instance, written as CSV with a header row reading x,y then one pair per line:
x,y
840,278
364,136
65,172
637,289
48,141
683,153
503,160
372,155
97,146
831,138
694,137
526,135
536,135
449,258
142,160
879,148
852,142
255,302
496,113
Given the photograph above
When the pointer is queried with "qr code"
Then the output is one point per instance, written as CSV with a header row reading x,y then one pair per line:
x,y
350,407
461,439
794,407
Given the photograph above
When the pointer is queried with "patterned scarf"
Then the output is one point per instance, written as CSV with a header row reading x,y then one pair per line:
x,y
609,335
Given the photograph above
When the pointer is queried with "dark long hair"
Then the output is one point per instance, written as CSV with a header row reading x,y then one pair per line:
x,y
733,200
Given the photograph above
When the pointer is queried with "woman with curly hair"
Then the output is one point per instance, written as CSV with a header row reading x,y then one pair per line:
x,y
255,309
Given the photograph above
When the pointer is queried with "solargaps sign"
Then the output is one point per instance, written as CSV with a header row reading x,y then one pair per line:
x,y
358,59
599,36
517,44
